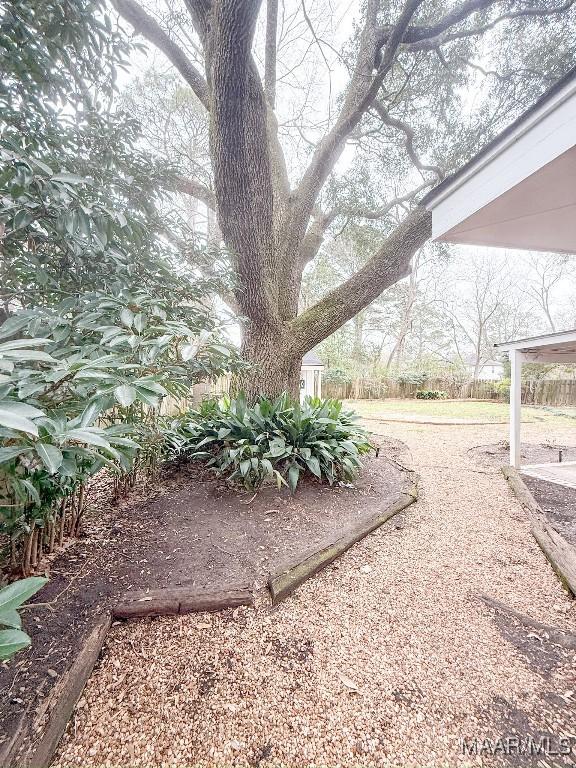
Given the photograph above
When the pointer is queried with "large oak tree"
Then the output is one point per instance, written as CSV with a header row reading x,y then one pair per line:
x,y
273,226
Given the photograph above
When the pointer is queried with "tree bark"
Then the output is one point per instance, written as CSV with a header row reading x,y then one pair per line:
x,y
274,364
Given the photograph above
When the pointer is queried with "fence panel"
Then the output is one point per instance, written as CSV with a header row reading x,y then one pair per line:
x,y
553,392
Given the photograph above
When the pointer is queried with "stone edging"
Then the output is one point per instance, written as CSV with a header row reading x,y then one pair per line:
x,y
560,553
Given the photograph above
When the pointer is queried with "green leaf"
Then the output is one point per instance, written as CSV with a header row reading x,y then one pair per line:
x,y
10,618
12,641
188,351
51,456
125,394
8,453
140,322
277,447
18,592
88,436
21,409
127,317
13,325
15,421
22,219
314,466
19,344
70,178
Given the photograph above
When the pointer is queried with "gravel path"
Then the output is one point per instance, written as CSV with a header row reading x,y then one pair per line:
x,y
387,658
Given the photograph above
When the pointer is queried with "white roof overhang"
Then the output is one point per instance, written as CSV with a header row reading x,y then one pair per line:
x,y
520,191
549,348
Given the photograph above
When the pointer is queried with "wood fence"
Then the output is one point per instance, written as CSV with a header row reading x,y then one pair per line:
x,y
554,392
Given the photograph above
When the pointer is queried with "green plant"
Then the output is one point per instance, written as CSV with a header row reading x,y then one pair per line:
x,y
101,313
276,439
431,394
13,639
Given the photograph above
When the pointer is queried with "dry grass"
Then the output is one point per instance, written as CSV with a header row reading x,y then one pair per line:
x,y
387,658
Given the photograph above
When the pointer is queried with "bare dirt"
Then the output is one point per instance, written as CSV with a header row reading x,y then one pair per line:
x,y
189,530
558,504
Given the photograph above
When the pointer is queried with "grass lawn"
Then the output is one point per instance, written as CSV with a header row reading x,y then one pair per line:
x,y
460,409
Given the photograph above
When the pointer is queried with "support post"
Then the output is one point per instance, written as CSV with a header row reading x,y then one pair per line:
x,y
515,403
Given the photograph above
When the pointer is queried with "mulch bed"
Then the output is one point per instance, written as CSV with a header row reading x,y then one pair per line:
x,y
189,530
557,501
558,504
498,454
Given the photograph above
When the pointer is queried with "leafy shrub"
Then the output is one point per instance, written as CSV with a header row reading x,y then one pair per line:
x,y
14,639
431,394
277,439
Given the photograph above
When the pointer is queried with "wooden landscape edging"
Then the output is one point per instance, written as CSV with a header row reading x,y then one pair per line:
x,y
282,583
35,741
560,553
36,738
179,600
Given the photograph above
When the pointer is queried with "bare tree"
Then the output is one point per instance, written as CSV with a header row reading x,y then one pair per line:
x,y
272,227
548,271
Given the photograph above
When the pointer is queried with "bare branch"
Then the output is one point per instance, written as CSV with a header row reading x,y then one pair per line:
x,y
395,122
424,42
145,25
383,210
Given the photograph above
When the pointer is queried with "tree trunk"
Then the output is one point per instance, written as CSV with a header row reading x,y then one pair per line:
x,y
274,365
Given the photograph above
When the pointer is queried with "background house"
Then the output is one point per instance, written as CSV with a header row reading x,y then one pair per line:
x,y
491,370
311,376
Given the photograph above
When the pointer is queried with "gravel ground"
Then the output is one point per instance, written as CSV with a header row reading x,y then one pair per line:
x,y
387,658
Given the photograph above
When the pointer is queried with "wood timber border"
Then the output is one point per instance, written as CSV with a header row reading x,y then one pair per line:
x,y
36,738
560,553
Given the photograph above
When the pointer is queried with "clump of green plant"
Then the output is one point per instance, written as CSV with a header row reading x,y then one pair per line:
x,y
280,440
13,639
431,394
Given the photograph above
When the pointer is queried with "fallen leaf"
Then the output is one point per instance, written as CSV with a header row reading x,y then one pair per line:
x,y
350,684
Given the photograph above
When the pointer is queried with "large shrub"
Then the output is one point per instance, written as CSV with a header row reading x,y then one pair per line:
x,y
277,439
104,298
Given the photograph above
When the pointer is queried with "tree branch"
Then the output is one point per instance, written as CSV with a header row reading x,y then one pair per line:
x,y
147,26
383,210
426,38
197,190
395,122
388,265
362,89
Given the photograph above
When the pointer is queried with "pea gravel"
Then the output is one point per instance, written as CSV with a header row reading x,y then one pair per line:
x,y
387,658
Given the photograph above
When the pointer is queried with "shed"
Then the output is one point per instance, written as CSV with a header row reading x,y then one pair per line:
x,y
311,376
